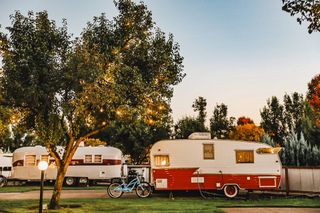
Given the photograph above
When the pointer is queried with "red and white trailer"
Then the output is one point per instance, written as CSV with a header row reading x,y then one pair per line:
x,y
202,163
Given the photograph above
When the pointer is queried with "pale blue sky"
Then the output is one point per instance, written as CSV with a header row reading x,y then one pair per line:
x,y
239,52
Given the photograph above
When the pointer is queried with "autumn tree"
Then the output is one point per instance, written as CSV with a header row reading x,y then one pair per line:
x,y
313,93
311,118
220,123
247,132
306,10
68,91
244,120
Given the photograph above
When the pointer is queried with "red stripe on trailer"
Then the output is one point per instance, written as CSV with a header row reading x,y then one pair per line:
x,y
188,179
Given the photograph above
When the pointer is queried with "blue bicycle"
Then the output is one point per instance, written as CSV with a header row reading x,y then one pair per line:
x,y
143,189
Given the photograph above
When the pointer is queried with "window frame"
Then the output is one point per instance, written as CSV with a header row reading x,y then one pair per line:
x,y
85,159
34,162
203,151
46,158
162,155
94,159
245,151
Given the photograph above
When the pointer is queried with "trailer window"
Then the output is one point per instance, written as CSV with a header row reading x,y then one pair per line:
x,y
161,160
98,158
45,158
244,156
30,160
208,151
88,159
7,168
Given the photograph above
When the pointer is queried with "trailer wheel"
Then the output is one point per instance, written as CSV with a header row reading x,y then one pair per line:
x,y
230,191
83,181
70,181
3,181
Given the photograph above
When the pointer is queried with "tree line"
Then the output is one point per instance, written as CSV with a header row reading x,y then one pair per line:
x,y
113,84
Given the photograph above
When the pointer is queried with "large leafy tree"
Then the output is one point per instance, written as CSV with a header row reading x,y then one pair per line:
x,y
220,124
118,70
306,10
135,138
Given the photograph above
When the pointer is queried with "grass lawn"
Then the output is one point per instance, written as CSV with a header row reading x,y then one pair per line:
x,y
156,204
27,188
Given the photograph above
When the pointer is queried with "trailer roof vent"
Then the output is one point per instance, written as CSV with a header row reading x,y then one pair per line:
x,y
200,136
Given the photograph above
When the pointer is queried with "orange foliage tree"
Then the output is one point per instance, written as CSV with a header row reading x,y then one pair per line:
x,y
313,96
246,130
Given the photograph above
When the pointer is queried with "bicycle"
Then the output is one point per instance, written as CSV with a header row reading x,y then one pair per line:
x,y
143,189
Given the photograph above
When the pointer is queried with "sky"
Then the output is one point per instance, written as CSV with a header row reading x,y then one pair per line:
x,y
236,52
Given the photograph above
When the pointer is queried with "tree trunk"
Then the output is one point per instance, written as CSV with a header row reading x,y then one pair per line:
x,y
55,199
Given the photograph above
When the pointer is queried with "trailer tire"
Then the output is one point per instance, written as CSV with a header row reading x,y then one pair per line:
x,y
3,181
70,181
83,181
231,191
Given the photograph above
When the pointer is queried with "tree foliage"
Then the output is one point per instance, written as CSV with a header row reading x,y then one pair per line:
x,y
200,105
186,126
306,10
279,119
244,120
135,138
220,123
246,130
313,93
122,69
298,152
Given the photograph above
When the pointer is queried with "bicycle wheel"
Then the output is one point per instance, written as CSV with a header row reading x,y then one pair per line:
x,y
3,181
143,190
114,190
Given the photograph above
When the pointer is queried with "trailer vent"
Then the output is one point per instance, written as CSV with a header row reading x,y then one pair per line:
x,y
200,136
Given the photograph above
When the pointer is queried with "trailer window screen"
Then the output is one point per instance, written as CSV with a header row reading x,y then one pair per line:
x,y
30,160
88,159
7,169
161,160
98,159
45,158
208,151
244,156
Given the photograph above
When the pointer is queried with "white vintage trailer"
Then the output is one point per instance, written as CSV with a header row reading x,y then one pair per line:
x,y
5,167
205,164
99,163
5,164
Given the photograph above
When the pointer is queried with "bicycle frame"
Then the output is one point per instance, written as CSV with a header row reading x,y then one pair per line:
x,y
124,187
